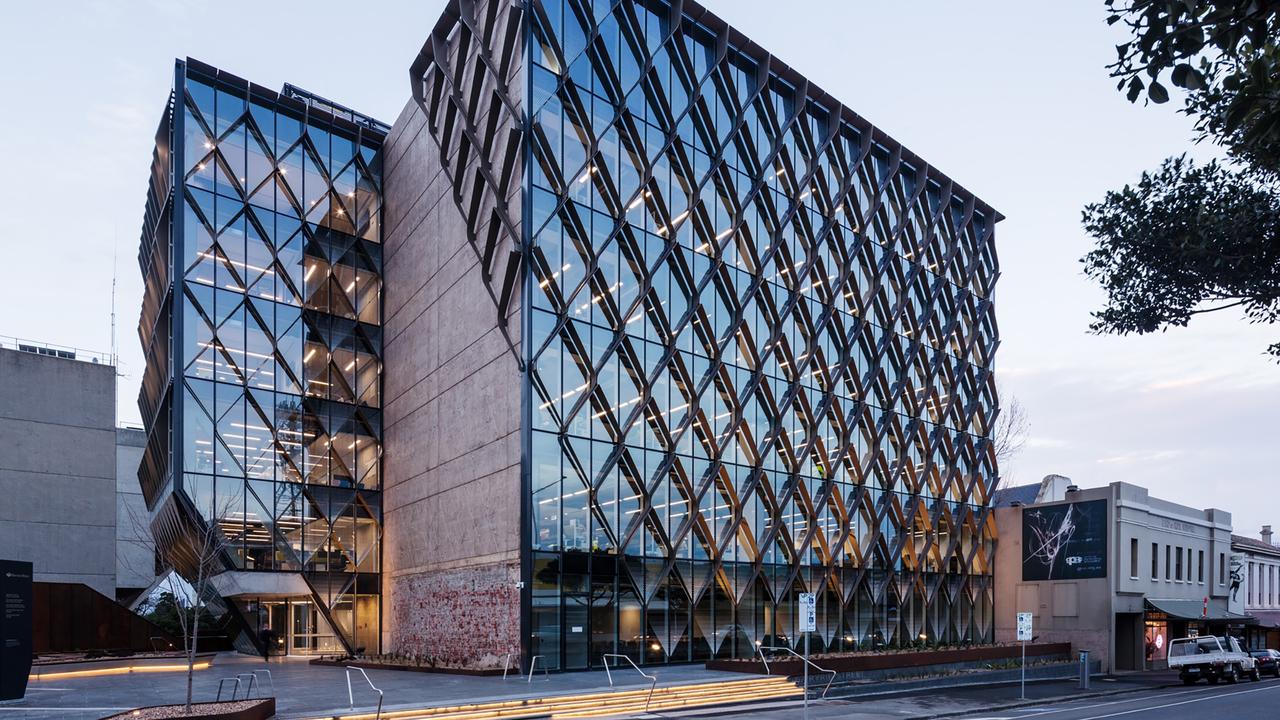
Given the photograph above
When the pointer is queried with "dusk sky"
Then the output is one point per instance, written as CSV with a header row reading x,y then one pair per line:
x,y
1010,99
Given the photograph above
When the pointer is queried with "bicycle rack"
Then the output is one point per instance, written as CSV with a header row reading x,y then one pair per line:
x,y
810,663
351,697
653,684
269,679
234,688
506,664
249,685
533,663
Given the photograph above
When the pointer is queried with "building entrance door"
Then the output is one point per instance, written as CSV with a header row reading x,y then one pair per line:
x,y
1129,641
297,628
278,622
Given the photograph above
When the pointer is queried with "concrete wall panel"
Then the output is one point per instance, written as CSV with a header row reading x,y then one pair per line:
x,y
452,390
58,474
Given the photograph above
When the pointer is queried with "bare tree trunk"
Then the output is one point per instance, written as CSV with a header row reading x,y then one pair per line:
x,y
195,635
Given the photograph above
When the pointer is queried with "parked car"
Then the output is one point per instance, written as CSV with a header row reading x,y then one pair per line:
x,y
1268,661
1211,657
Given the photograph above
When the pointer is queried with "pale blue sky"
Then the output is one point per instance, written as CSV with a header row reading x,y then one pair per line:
x,y
1011,99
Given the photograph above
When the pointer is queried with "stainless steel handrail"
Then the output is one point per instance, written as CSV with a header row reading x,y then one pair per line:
x,y
762,658
804,659
506,664
351,698
653,684
533,663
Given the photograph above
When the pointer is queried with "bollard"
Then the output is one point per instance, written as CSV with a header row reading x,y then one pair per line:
x,y
1084,669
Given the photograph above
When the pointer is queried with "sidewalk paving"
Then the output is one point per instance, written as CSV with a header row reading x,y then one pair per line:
x,y
305,690
948,702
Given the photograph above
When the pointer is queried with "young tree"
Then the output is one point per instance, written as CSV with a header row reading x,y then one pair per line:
x,y
204,548
1189,239
1009,435
209,547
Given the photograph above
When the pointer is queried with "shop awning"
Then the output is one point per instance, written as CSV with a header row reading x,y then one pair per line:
x,y
1267,618
1194,610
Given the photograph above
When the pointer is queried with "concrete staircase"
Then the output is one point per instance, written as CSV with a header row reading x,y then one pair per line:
x,y
621,703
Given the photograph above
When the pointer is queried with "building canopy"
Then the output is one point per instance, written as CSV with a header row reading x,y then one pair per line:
x,y
1194,610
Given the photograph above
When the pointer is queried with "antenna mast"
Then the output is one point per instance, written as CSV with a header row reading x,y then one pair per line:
x,y
115,241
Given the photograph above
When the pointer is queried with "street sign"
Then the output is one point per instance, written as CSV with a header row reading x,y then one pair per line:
x,y
1024,627
808,612
1024,637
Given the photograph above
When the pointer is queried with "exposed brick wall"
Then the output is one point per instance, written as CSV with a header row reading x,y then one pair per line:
x,y
465,617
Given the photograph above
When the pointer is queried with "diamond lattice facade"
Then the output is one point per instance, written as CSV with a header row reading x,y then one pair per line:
x,y
262,328
751,338
655,335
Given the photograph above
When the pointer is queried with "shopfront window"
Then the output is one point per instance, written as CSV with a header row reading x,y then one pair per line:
x,y
1157,640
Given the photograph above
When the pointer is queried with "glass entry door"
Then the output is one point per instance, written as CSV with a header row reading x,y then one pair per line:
x,y
278,622
309,633
297,628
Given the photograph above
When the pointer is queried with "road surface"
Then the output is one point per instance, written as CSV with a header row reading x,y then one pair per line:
x,y
1245,700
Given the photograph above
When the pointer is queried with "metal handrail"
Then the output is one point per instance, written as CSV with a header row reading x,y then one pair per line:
x,y
533,663
154,638
506,665
652,678
351,697
809,662
763,659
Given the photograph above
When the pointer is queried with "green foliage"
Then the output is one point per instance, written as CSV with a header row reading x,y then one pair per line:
x,y
1223,53
1184,240
1190,239
167,612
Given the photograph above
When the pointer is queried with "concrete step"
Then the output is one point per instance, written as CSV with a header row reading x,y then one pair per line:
x,y
680,703
601,704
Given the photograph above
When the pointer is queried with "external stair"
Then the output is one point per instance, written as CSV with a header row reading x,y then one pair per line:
x,y
618,703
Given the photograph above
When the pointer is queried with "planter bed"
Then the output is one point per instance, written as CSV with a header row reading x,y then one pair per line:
x,y
257,709
376,665
73,666
890,659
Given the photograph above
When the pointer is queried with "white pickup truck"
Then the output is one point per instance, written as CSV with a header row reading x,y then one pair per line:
x,y
1211,657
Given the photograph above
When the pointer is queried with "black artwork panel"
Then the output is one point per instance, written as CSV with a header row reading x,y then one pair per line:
x,y
1065,542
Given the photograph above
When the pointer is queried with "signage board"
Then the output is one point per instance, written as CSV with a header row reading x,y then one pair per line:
x,y
15,628
1064,542
808,612
1024,627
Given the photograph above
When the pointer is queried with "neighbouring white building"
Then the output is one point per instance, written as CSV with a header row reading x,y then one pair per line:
x,y
1255,586
1111,569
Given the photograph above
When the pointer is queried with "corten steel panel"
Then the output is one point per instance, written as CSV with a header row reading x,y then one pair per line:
x,y
71,616
759,337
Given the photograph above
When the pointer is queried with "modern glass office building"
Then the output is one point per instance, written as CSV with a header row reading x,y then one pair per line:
x,y
751,339
655,334
262,329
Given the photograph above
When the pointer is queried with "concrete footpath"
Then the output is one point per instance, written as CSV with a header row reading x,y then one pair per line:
x,y
946,702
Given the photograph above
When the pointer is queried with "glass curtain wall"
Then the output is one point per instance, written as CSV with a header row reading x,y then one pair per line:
x,y
761,345
279,359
